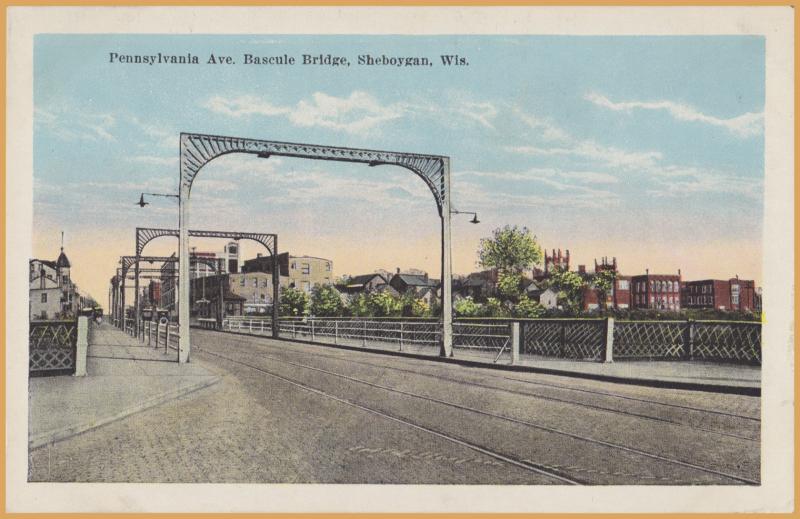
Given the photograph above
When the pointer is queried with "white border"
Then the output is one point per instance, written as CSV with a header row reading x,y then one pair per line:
x,y
775,23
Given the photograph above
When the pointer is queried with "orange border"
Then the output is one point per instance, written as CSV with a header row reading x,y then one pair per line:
x,y
397,3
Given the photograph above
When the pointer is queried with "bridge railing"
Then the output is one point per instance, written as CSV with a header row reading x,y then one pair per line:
x,y
52,347
421,335
157,335
602,340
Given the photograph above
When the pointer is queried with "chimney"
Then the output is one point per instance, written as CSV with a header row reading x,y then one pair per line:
x,y
679,273
646,272
398,270
258,255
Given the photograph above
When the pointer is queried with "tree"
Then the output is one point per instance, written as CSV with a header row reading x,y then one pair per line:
x,y
495,308
326,301
466,307
569,286
358,306
412,306
509,285
510,249
384,304
527,307
294,302
603,282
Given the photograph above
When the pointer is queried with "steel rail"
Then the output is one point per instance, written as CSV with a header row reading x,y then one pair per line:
x,y
553,430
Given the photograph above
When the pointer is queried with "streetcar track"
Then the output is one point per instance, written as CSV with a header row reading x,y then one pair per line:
x,y
556,399
579,437
524,464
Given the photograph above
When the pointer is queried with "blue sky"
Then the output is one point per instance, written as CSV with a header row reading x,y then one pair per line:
x,y
649,149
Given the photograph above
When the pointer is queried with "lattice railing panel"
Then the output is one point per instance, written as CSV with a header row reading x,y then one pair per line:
x,y
479,336
649,339
727,341
578,339
52,346
584,340
542,338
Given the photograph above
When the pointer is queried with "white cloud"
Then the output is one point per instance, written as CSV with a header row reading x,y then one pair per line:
x,y
359,113
155,160
606,155
76,125
548,130
746,125
676,181
243,106
482,112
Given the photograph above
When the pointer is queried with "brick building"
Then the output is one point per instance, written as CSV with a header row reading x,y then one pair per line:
x,y
732,294
656,291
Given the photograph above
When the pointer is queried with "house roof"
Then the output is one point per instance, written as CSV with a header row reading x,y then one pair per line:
x,y
415,280
49,263
62,261
363,279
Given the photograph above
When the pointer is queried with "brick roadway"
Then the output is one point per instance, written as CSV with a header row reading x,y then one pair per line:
x,y
256,426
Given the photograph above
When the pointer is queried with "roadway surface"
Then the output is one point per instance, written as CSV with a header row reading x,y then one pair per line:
x,y
296,413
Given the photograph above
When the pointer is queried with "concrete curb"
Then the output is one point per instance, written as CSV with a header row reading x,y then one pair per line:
x,y
58,435
657,383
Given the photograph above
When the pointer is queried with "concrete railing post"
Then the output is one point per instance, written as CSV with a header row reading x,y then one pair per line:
x,y
688,340
514,343
336,332
166,340
364,337
608,345
82,346
401,335
312,329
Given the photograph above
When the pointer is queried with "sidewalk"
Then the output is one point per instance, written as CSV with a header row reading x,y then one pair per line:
x,y
124,377
693,375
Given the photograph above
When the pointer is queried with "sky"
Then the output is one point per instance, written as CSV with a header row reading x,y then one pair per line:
x,y
647,149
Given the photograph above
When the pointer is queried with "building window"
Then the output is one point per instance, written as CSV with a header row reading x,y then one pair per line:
x,y
255,283
652,286
44,297
241,282
328,266
306,268
65,279
623,284
294,265
307,286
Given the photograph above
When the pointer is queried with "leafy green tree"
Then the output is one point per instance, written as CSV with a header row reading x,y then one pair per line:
x,y
495,308
420,308
467,307
412,306
384,304
358,306
326,301
527,307
569,286
603,282
510,249
294,302
509,285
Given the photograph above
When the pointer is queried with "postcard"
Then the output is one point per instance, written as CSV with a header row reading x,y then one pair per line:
x,y
384,259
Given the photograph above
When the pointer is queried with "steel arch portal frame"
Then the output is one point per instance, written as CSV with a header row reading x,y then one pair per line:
x,y
197,150
128,261
145,235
